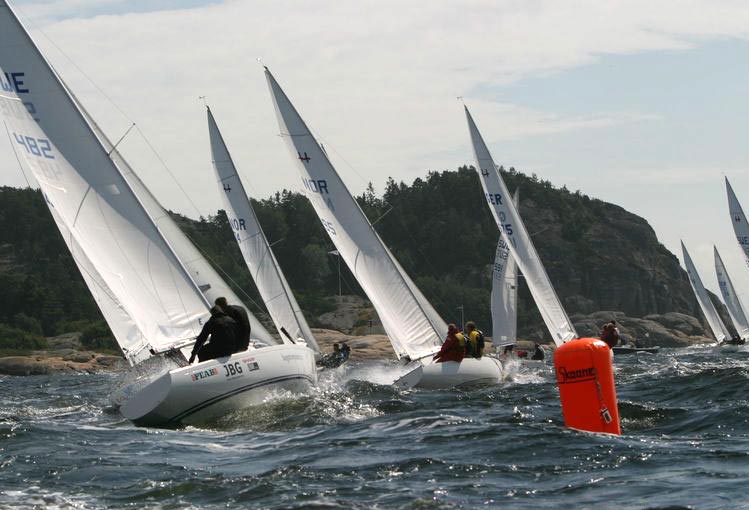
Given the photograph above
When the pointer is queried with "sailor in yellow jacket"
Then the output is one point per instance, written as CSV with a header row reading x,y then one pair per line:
x,y
474,340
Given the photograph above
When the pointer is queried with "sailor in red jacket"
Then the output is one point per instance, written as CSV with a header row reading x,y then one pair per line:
x,y
454,348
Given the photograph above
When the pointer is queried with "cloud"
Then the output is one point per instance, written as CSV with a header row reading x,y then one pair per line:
x,y
376,79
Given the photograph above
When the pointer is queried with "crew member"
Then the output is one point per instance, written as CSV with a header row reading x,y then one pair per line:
x,y
454,347
239,314
222,331
538,354
610,334
474,341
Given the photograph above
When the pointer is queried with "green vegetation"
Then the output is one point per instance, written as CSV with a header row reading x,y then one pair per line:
x,y
598,256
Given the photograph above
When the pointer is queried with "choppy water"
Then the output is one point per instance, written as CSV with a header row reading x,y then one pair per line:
x,y
360,445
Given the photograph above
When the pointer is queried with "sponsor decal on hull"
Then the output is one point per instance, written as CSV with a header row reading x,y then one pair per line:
x,y
203,374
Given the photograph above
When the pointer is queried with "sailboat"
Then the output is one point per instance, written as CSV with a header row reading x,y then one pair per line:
x,y
733,303
415,329
153,300
738,220
504,294
720,332
258,255
518,240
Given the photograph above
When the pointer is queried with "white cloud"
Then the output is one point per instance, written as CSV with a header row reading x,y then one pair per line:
x,y
377,79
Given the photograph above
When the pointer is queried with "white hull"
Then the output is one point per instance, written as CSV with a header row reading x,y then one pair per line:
x,y
208,390
449,374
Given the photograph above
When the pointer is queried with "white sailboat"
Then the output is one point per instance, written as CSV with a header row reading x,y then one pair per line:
x,y
720,332
738,220
150,297
733,303
257,253
415,329
518,240
504,295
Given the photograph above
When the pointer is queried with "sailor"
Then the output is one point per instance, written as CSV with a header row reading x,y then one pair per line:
x,y
345,351
453,349
222,331
538,354
475,341
239,314
610,334
335,358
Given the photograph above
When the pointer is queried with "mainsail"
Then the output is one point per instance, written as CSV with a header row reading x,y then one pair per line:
x,y
518,241
270,281
504,296
102,215
738,220
413,327
708,308
733,303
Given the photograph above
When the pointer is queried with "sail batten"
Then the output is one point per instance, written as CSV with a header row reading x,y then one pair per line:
x,y
720,332
518,240
412,325
258,255
730,297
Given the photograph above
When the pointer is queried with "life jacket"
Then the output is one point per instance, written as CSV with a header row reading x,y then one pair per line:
x,y
480,343
475,344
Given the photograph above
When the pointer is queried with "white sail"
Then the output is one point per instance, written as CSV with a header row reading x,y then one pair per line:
x,y
733,303
519,242
708,308
91,197
738,220
125,330
413,329
504,296
256,251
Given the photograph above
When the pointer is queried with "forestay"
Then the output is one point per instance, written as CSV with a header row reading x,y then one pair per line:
x,y
708,308
256,251
504,296
733,303
518,241
92,199
413,329
738,220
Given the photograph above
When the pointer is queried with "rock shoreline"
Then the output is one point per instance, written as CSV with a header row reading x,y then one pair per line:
x,y
55,362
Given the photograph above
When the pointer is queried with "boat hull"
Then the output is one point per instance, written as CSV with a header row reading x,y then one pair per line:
x,y
470,371
205,391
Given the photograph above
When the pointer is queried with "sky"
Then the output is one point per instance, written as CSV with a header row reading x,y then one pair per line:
x,y
637,103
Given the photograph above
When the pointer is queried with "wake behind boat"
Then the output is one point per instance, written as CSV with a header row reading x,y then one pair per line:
x,y
635,350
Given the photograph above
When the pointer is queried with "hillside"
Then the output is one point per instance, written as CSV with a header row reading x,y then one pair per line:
x,y
599,256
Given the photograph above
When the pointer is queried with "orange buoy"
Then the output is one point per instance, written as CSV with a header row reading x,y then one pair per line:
x,y
585,374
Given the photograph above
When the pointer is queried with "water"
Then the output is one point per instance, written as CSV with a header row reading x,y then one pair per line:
x,y
360,445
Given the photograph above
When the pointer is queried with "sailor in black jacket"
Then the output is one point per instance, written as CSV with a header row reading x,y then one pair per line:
x,y
222,331
239,314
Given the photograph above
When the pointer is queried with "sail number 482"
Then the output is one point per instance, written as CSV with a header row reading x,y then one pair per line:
x,y
36,146
232,369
